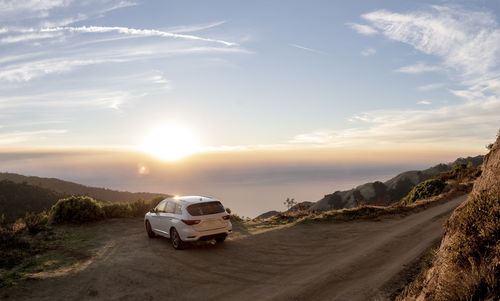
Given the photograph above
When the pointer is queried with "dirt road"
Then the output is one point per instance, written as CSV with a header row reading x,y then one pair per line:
x,y
344,261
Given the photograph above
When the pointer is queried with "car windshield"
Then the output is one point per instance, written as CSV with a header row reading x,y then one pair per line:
x,y
205,208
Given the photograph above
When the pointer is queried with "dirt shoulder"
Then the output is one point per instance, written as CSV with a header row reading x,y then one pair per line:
x,y
318,261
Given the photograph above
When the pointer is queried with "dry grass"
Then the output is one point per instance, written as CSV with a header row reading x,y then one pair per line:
x,y
469,264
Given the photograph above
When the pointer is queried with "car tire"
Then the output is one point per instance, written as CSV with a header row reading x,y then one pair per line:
x,y
176,240
220,239
149,230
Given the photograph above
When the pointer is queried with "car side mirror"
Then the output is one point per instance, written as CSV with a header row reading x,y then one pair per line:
x,y
154,210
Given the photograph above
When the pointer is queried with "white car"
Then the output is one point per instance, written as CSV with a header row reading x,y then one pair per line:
x,y
189,218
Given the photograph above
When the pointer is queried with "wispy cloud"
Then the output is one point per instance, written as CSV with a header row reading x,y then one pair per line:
x,y
23,136
468,45
194,28
430,87
33,69
368,51
135,32
472,123
363,29
467,41
159,78
308,49
417,68
424,102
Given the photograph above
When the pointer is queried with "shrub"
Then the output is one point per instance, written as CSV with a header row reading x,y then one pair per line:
x,y
113,210
140,207
36,222
424,190
76,209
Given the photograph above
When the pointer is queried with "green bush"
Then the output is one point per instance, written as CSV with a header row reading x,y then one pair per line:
x,y
140,207
76,209
424,190
36,222
113,210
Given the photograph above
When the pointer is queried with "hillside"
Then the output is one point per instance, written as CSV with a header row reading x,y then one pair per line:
x,y
69,188
467,264
378,193
18,198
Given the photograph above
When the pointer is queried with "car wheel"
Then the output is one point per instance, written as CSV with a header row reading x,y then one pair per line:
x,y
176,240
220,239
151,234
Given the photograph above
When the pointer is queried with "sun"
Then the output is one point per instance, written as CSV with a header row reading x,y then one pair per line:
x,y
170,142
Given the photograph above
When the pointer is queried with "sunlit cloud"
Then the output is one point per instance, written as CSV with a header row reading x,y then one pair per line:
x,y
458,125
424,102
23,136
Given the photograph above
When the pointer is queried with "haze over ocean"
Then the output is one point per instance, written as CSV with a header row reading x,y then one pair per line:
x,y
249,187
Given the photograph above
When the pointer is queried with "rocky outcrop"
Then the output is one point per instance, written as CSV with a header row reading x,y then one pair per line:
x,y
378,193
297,207
467,264
268,214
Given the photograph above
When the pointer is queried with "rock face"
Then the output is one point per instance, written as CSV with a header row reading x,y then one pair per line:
x,y
300,206
268,214
378,193
469,255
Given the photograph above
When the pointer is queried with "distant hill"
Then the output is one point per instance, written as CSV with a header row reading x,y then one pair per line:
x,y
18,198
379,193
387,192
69,188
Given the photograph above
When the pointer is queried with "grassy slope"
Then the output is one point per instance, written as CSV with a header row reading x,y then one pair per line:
x,y
69,188
467,264
17,199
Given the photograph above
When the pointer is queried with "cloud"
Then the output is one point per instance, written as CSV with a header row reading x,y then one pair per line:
x,y
471,123
362,29
33,69
467,41
194,28
135,32
424,102
308,49
417,68
23,136
159,78
56,12
28,37
17,6
467,45
430,87
368,51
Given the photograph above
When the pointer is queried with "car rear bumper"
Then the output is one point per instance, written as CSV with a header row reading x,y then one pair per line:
x,y
193,235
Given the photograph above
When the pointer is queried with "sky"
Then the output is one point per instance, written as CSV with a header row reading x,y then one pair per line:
x,y
408,81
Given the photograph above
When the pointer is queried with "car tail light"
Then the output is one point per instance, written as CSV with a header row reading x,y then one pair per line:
x,y
191,221
226,217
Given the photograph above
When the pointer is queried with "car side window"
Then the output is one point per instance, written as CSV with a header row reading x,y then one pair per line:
x,y
170,208
161,206
178,209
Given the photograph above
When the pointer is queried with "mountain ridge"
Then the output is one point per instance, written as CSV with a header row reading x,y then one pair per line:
x,y
381,193
71,188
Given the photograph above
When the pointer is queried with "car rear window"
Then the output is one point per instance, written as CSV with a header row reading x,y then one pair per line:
x,y
205,208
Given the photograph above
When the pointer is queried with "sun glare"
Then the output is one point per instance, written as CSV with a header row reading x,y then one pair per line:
x,y
170,142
